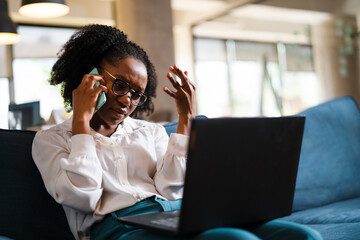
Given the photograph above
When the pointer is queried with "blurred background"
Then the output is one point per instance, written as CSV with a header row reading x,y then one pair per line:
x,y
246,57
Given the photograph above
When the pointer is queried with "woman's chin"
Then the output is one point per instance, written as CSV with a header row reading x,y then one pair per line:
x,y
108,118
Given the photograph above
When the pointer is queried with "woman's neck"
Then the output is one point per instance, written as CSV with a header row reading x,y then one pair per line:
x,y
102,127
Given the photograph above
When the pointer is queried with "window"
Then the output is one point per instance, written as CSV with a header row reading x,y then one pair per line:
x,y
31,77
4,98
237,78
34,56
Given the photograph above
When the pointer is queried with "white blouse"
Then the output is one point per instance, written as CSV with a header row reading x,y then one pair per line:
x,y
93,175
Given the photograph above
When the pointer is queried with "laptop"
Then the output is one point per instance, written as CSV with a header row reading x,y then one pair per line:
x,y
240,171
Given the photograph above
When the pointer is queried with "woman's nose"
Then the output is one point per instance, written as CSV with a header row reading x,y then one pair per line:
x,y
125,99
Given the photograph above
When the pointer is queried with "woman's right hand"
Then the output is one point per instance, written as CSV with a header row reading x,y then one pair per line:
x,y
84,101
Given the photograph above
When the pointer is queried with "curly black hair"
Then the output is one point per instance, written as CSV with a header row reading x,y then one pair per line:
x,y
87,48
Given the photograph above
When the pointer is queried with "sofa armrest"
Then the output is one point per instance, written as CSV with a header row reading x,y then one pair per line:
x,y
27,210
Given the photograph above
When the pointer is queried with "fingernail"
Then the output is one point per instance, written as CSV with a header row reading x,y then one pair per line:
x,y
176,66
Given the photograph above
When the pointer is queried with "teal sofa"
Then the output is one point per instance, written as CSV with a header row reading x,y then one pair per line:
x,y
327,196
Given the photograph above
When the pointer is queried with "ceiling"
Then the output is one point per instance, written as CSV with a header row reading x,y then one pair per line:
x,y
258,20
262,20
82,12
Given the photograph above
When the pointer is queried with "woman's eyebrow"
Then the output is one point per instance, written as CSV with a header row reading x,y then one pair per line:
x,y
137,88
120,77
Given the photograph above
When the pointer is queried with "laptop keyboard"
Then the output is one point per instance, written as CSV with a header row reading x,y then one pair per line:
x,y
172,222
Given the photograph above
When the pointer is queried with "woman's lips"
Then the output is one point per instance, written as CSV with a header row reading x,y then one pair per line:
x,y
119,112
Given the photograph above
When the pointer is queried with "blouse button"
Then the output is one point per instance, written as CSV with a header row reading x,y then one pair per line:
x,y
137,195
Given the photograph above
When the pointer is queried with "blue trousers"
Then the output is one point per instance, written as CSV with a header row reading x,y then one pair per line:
x,y
110,228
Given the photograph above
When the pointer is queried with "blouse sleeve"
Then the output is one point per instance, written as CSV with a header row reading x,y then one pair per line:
x,y
71,172
169,178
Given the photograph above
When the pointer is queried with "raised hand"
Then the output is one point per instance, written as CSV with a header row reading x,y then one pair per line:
x,y
184,96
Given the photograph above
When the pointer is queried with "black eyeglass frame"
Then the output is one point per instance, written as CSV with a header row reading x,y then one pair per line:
x,y
142,94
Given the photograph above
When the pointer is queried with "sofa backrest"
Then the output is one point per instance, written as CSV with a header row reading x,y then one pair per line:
x,y
27,210
329,167
172,126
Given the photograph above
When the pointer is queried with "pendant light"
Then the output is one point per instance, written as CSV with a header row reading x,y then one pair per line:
x,y
43,8
8,34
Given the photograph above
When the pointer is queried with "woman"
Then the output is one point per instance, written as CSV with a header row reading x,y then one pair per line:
x,y
104,164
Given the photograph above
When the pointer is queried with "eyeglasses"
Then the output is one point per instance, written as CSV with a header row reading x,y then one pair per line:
x,y
121,88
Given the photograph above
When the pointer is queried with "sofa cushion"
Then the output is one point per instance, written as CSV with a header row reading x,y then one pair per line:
x,y
338,231
27,210
329,167
4,238
346,211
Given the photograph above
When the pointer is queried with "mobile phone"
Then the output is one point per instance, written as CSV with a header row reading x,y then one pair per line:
x,y
101,98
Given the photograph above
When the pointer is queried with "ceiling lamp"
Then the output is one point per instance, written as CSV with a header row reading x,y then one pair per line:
x,y
43,8
8,34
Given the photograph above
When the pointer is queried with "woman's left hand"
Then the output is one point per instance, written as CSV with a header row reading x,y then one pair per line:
x,y
185,98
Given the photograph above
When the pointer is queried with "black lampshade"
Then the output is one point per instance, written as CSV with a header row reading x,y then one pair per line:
x,y
43,8
25,2
8,34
